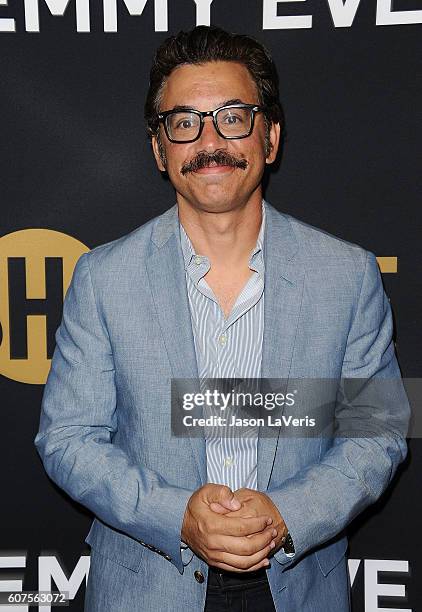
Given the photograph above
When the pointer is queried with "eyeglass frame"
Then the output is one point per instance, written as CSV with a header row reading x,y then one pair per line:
x,y
255,108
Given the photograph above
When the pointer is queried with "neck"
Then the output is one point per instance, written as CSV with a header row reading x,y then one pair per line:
x,y
228,237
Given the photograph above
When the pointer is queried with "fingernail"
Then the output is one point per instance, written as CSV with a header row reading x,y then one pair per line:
x,y
269,521
266,562
272,544
274,532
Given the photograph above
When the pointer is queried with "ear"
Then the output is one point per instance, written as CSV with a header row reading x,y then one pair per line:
x,y
156,151
274,142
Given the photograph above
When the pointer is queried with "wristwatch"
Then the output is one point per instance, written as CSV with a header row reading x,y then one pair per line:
x,y
288,545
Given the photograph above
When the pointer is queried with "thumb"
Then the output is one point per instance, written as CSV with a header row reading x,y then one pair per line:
x,y
227,499
216,507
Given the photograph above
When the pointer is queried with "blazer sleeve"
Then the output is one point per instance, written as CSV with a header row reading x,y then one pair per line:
x,y
320,500
77,423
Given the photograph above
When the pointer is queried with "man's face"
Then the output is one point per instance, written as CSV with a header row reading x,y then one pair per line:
x,y
217,186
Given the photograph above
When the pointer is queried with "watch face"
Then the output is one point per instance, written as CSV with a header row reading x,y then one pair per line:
x,y
288,545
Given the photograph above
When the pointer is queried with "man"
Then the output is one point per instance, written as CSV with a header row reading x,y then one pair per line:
x,y
209,523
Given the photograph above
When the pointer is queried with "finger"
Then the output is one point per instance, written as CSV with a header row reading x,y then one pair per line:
x,y
243,513
243,545
265,563
226,525
241,562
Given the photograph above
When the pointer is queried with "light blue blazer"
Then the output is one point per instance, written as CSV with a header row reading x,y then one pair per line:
x,y
105,437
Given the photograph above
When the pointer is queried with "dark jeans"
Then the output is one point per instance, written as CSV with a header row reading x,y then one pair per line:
x,y
238,592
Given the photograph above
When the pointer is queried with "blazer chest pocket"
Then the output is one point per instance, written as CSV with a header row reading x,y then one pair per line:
x,y
115,545
330,556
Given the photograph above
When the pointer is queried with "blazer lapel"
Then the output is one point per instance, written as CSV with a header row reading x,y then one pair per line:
x,y
284,281
166,275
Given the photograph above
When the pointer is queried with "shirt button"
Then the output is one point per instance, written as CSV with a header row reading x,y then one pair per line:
x,y
228,461
198,260
223,339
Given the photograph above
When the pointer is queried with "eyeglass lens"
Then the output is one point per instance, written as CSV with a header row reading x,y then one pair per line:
x,y
185,125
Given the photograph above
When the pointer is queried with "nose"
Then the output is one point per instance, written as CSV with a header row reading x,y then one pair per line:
x,y
210,138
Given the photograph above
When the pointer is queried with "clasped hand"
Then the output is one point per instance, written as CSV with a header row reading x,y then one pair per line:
x,y
235,531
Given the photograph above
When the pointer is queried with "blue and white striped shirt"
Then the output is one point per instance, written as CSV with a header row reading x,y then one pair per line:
x,y
228,348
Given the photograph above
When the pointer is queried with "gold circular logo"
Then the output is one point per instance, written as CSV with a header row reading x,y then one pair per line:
x,y
36,267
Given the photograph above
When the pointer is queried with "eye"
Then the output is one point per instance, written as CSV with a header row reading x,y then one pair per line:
x,y
184,124
231,119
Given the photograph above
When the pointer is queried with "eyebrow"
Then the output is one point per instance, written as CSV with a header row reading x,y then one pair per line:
x,y
183,107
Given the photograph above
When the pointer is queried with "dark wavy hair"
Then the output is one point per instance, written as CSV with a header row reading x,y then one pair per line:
x,y
208,44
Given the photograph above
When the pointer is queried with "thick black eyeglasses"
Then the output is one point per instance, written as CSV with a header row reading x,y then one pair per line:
x,y
231,122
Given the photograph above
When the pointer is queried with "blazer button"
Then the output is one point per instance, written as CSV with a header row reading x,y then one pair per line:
x,y
199,576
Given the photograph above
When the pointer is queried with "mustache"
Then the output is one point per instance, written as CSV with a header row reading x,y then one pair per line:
x,y
219,158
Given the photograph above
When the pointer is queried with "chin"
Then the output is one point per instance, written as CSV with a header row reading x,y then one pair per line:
x,y
214,202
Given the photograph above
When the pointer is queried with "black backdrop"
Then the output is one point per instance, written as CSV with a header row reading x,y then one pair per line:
x,y
74,159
